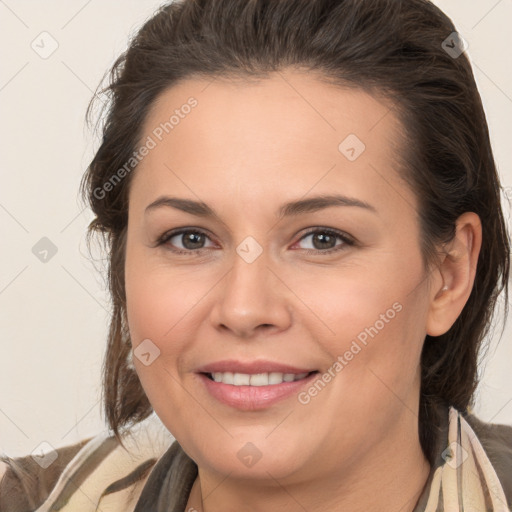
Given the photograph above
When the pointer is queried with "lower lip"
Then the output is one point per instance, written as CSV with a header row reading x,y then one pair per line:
x,y
252,398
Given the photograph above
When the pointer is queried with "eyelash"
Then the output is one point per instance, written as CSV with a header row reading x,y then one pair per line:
x,y
346,239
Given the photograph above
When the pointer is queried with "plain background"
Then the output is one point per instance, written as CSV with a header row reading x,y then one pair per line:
x,y
54,314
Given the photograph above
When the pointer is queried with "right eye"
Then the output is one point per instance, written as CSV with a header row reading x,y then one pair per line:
x,y
185,241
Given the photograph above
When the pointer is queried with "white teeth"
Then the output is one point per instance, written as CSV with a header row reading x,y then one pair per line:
x,y
275,378
227,377
241,379
257,379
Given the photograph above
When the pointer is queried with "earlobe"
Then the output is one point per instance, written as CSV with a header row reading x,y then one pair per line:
x,y
457,270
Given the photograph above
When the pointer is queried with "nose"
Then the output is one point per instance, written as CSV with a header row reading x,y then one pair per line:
x,y
251,300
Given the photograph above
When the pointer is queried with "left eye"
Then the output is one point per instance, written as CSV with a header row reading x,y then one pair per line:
x,y
324,240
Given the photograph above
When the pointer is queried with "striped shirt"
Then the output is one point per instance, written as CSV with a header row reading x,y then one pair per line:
x,y
154,474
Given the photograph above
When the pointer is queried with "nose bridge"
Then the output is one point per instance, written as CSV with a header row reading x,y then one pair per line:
x,y
251,296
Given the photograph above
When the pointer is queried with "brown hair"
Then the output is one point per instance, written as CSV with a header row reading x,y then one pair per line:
x,y
393,48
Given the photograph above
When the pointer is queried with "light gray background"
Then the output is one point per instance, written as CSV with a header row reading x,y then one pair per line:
x,y
54,315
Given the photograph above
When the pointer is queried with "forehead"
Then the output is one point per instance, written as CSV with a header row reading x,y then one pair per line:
x,y
288,129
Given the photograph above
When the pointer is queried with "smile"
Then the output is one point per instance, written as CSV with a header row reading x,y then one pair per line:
x,y
253,392
258,379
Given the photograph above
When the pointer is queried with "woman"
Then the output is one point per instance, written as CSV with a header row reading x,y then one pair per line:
x,y
306,245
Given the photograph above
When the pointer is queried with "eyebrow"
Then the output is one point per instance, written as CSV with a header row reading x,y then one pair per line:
x,y
292,208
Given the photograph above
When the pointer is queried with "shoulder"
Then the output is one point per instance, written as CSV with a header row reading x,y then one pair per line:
x,y
97,471
496,440
25,481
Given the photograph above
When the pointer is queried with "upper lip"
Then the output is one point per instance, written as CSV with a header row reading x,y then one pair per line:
x,y
251,367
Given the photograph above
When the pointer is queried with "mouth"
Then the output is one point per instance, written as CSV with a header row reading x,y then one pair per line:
x,y
256,379
254,391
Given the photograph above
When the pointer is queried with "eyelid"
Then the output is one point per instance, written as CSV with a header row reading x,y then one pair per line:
x,y
334,231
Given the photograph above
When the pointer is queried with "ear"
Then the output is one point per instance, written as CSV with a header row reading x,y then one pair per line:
x,y
452,285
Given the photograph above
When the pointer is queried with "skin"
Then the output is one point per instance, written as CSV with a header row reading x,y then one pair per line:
x,y
244,150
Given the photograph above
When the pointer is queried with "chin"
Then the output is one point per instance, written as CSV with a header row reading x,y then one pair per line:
x,y
260,459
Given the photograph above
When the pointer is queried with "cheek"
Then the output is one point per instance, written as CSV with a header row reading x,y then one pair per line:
x,y
165,306
159,299
154,308
373,318
375,356
157,311
350,303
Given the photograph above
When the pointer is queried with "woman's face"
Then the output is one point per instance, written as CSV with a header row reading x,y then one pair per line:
x,y
292,246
